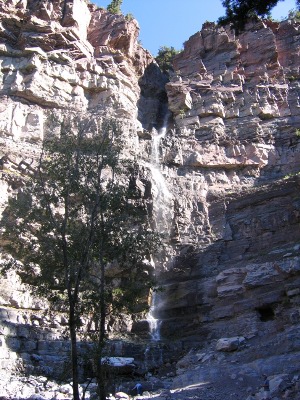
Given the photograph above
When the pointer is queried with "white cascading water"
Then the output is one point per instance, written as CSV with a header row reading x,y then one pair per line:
x,y
161,194
154,323
161,209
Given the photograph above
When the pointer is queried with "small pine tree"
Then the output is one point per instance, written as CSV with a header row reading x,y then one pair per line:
x,y
165,58
238,12
115,7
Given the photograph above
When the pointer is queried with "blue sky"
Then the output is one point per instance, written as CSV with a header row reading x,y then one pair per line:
x,y
172,22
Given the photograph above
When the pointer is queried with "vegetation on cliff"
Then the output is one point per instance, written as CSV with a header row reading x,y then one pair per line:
x,y
165,58
115,7
238,12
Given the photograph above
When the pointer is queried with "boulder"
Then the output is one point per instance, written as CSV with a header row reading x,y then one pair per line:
x,y
122,365
122,395
230,344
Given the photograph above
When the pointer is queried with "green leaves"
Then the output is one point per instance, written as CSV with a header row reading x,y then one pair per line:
x,y
238,12
74,219
115,7
165,58
76,233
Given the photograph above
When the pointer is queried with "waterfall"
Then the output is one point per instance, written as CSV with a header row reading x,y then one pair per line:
x,y
161,214
161,195
156,138
154,351
154,323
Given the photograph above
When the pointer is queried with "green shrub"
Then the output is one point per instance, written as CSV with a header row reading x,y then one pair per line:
x,y
165,58
115,7
294,14
129,17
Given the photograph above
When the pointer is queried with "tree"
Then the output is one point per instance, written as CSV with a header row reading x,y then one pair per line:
x,y
238,12
76,235
165,57
115,7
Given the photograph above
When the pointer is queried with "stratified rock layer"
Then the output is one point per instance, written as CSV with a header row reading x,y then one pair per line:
x,y
231,164
56,58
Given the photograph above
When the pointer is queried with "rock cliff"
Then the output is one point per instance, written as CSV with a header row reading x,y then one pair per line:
x,y
60,57
234,158
222,174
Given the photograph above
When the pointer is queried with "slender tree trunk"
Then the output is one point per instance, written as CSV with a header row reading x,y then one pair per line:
x,y
101,378
101,370
74,354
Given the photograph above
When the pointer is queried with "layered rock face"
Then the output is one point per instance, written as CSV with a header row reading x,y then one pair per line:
x,y
60,57
232,162
57,55
215,174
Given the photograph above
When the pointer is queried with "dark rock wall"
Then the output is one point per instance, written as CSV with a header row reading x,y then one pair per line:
x,y
254,267
232,161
